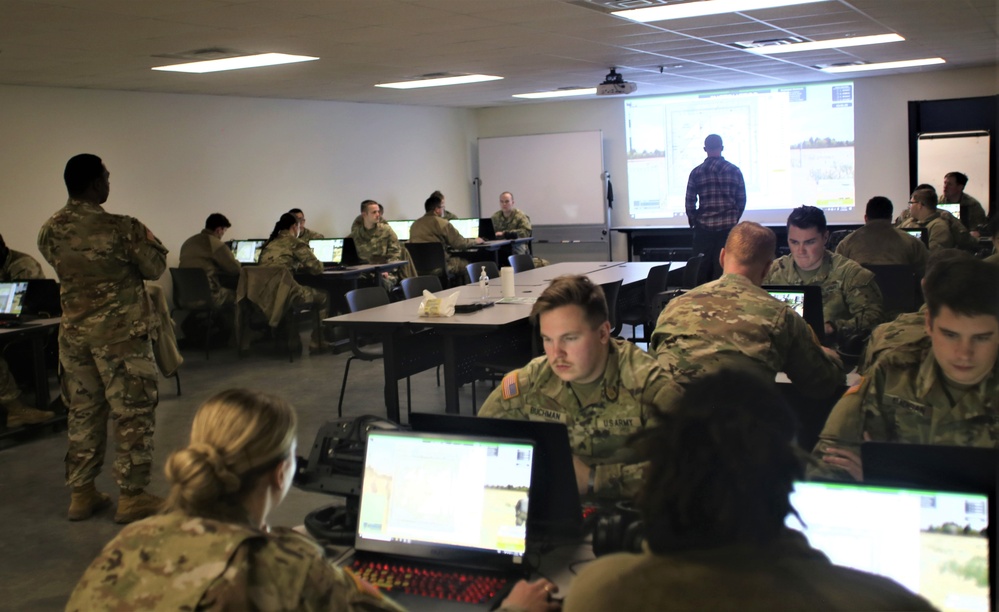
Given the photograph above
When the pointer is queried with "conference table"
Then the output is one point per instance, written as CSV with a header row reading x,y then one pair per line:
x,y
413,344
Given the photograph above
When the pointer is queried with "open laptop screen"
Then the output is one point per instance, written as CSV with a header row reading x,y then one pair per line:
x,y
806,300
445,496
327,250
954,209
934,543
468,228
12,298
247,251
401,228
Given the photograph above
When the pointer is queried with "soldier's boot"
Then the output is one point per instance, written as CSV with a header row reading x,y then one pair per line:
x,y
85,501
135,506
19,413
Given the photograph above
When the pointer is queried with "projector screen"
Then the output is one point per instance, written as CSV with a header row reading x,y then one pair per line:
x,y
794,145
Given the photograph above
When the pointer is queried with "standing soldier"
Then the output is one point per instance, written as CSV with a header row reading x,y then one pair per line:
x,y
105,351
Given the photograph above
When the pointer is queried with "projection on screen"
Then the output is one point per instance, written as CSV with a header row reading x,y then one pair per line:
x,y
794,145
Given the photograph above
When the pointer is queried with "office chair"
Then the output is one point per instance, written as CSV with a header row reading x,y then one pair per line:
x,y
358,300
475,269
899,286
413,287
611,291
429,258
646,313
192,292
520,263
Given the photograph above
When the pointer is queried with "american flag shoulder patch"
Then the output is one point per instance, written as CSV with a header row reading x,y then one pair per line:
x,y
509,385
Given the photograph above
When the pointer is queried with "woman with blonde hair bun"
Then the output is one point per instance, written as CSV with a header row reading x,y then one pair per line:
x,y
211,547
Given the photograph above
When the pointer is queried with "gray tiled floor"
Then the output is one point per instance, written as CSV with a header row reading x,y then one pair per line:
x,y
42,554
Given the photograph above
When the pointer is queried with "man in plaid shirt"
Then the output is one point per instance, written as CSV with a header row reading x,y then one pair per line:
x,y
716,197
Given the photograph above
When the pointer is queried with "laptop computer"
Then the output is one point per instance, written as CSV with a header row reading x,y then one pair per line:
x,y
954,209
806,300
42,298
247,251
487,231
12,302
919,233
452,506
556,511
468,228
931,466
401,228
933,542
329,251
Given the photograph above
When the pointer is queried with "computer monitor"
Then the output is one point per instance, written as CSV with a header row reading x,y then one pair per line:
x,y
933,542
468,228
487,230
919,233
247,251
327,250
12,299
806,300
401,228
954,209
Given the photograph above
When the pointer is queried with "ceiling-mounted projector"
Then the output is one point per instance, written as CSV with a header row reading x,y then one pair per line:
x,y
615,85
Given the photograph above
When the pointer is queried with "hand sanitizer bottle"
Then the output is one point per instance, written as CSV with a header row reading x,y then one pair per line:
x,y
484,284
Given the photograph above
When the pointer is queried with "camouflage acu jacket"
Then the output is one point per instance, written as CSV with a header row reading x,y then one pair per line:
x,y
517,223
286,251
177,562
907,328
904,398
600,416
851,299
101,260
732,323
377,245
20,266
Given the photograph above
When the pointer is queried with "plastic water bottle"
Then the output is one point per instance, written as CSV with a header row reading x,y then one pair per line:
x,y
484,284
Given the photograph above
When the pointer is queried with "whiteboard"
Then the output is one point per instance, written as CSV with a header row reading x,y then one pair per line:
x,y
966,152
557,179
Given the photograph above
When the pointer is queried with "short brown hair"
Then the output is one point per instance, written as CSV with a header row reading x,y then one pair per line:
x,y
573,291
926,197
751,244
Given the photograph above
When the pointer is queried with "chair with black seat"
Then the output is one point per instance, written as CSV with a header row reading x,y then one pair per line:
x,y
429,258
900,291
611,291
693,272
646,313
358,300
475,269
414,286
267,298
192,291
521,263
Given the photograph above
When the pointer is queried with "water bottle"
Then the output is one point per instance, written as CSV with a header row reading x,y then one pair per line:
x,y
484,284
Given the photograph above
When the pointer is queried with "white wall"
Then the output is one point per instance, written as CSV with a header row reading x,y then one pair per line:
x,y
176,158
881,130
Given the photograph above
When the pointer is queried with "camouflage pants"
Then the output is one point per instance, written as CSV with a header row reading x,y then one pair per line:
x,y
223,297
9,390
117,381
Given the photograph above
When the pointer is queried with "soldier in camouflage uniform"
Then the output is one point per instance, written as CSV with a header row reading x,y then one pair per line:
x,y
432,227
104,339
851,299
304,234
212,548
376,242
17,266
511,223
285,249
732,323
972,214
445,213
943,229
206,250
877,243
945,393
601,388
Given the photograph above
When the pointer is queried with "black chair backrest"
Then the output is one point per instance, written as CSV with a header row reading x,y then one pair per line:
x,y
611,291
191,289
521,263
350,256
655,283
366,297
692,271
899,287
429,258
475,269
413,287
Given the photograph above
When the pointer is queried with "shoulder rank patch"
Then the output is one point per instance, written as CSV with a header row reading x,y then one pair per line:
x,y
855,387
510,387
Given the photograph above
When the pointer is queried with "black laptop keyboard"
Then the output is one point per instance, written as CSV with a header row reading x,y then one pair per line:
x,y
334,267
455,585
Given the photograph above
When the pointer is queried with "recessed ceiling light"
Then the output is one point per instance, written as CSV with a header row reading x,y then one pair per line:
x,y
703,7
237,63
558,93
837,43
883,65
440,82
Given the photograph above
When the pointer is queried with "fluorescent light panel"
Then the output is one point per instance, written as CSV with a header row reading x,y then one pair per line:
x,y
558,93
441,82
837,43
704,7
237,63
884,65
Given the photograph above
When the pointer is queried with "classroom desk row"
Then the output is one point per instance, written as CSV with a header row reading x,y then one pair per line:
x,y
413,344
